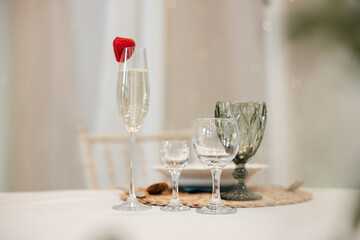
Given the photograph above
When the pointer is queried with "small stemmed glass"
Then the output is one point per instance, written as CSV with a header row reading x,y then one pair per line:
x,y
216,142
175,155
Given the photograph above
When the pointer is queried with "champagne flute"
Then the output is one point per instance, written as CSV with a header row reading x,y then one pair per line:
x,y
132,94
216,142
175,156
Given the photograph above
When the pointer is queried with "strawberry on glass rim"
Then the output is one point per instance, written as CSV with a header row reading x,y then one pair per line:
x,y
119,45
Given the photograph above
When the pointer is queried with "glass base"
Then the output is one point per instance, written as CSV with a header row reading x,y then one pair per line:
x,y
240,193
216,209
131,207
175,208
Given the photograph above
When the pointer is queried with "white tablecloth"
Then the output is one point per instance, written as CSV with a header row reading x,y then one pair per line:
x,y
87,214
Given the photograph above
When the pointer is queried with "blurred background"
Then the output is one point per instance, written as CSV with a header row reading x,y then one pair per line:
x,y
58,72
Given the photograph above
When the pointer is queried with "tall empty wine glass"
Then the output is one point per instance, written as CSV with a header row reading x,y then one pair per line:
x,y
216,142
175,155
132,95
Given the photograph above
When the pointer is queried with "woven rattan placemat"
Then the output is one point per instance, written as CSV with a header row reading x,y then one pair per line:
x,y
272,196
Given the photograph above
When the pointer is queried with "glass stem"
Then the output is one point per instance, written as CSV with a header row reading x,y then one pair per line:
x,y
216,198
175,187
132,197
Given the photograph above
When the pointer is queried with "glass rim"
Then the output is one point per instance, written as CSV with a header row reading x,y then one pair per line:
x,y
174,141
215,119
237,102
138,48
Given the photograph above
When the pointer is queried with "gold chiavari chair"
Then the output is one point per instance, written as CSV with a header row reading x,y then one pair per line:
x,y
87,141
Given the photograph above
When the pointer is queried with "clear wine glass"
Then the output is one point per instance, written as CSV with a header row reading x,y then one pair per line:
x,y
216,142
175,155
132,94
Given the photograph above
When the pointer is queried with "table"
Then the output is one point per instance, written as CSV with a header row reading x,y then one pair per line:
x,y
87,214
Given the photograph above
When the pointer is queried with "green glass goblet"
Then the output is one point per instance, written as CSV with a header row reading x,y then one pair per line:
x,y
251,117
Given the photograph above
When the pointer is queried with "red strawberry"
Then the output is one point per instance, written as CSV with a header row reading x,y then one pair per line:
x,y
119,45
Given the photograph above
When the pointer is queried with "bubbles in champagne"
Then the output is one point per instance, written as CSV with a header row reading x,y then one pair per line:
x,y
132,95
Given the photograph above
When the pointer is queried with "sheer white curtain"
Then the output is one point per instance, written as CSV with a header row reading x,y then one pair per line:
x,y
43,97
214,53
64,73
284,167
4,94
58,72
63,76
144,22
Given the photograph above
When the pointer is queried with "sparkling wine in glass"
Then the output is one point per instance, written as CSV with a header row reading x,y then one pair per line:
x,y
132,94
175,155
216,142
